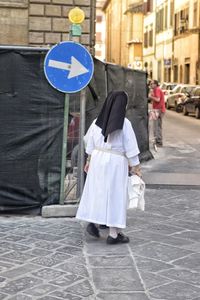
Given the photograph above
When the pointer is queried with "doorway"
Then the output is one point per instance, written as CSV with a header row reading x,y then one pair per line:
x,y
187,73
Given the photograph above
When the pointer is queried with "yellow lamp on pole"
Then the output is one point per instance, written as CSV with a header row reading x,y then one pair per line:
x,y
76,17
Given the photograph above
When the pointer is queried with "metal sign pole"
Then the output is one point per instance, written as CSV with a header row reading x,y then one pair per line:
x,y
64,150
82,133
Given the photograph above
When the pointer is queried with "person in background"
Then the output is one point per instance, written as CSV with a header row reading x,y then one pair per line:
x,y
156,95
112,151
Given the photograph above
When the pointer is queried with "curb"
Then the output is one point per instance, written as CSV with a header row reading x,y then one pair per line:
x,y
53,211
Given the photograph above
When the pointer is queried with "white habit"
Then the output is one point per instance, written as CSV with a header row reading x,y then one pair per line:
x,y
104,196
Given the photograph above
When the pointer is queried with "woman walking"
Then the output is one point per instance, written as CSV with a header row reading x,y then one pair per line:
x,y
112,151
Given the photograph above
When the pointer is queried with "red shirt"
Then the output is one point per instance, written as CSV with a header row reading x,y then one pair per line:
x,y
158,93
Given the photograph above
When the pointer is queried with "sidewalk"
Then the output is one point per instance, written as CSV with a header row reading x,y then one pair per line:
x,y
54,259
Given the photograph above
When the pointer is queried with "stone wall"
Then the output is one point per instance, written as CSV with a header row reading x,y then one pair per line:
x,y
14,22
43,22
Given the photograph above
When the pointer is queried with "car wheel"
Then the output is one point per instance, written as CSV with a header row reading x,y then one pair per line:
x,y
177,107
197,112
185,112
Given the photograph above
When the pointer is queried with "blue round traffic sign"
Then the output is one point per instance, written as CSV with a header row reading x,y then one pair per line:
x,y
68,67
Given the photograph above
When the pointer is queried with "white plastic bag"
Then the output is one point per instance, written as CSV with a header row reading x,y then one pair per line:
x,y
153,114
136,189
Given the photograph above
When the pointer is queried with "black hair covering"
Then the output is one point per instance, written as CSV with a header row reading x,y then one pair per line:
x,y
112,114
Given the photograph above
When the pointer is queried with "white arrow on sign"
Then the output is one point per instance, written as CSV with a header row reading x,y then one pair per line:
x,y
75,69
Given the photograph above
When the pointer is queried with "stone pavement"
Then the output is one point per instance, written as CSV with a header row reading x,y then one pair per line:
x,y
53,259
174,166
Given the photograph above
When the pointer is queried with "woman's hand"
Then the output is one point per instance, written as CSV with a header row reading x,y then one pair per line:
x,y
135,170
138,173
86,168
87,164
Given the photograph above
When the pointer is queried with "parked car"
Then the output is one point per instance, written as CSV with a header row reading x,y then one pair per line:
x,y
167,88
191,105
178,95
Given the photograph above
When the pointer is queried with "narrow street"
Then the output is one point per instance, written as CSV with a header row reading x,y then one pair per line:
x,y
181,129
178,162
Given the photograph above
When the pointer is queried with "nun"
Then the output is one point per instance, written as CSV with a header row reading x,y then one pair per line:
x,y
112,151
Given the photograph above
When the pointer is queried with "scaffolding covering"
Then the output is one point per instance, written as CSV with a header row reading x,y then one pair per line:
x,y
31,122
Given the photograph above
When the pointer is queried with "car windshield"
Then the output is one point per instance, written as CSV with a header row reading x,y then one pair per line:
x,y
163,86
196,92
176,89
167,86
171,86
188,89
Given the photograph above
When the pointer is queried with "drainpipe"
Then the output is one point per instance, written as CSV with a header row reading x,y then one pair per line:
x,y
120,34
92,25
172,58
198,57
155,44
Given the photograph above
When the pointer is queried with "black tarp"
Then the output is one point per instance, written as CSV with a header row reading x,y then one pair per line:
x,y
108,77
31,122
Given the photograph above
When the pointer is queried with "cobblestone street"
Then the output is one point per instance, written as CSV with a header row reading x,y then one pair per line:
x,y
52,259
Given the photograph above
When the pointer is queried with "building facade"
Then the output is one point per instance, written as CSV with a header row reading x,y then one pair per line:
x,y
186,58
124,32
149,59
173,54
44,22
100,34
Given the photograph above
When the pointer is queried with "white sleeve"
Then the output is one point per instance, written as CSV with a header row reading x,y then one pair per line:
x,y
130,142
133,161
88,139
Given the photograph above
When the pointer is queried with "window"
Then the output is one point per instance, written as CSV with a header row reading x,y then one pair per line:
x,y
184,89
175,73
149,5
181,21
99,19
138,51
98,36
159,71
171,12
165,74
98,53
151,36
187,73
190,89
197,92
186,17
160,20
146,39
166,14
176,24
181,74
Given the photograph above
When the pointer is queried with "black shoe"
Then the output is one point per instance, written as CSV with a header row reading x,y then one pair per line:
x,y
93,230
123,238
120,239
103,227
